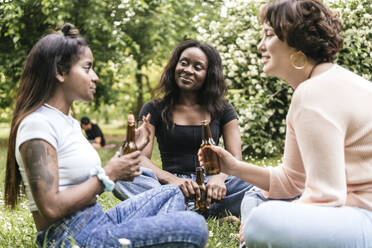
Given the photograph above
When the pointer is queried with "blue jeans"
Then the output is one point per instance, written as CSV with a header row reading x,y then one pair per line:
x,y
152,219
235,190
280,223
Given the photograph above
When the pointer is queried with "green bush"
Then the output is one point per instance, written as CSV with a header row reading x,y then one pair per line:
x,y
262,101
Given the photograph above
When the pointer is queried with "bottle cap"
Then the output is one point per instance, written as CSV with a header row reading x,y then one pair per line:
x,y
130,117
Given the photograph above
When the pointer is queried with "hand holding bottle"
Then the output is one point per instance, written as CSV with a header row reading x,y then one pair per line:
x,y
123,167
228,162
188,187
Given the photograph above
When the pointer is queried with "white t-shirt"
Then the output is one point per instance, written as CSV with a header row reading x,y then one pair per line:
x,y
76,156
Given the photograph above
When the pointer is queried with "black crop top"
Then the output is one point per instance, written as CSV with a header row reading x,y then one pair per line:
x,y
179,146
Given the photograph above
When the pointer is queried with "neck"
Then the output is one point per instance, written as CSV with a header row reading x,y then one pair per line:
x,y
59,102
295,77
299,76
188,98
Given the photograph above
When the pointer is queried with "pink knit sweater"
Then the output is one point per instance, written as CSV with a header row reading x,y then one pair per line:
x,y
328,146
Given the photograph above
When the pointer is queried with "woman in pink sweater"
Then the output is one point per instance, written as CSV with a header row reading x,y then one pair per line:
x,y
326,175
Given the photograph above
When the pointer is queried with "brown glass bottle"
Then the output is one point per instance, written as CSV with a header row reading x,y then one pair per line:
x,y
129,145
200,205
210,159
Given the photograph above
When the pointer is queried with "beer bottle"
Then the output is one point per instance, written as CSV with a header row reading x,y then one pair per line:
x,y
129,145
200,205
211,162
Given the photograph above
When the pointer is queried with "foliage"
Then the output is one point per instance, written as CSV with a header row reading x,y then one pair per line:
x,y
262,101
24,22
127,38
357,52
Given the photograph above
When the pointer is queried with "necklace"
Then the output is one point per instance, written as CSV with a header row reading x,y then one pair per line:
x,y
312,70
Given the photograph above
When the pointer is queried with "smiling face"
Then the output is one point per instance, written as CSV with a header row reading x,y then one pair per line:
x,y
191,69
80,82
275,53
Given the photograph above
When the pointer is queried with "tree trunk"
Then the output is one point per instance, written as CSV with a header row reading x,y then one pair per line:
x,y
140,90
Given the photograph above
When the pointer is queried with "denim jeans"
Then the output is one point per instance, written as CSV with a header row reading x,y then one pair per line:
x,y
235,190
280,223
155,218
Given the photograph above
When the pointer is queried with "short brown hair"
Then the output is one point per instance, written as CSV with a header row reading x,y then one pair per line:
x,y
307,25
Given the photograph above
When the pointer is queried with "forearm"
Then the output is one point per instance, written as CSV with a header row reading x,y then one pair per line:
x,y
97,142
253,174
163,176
70,200
221,175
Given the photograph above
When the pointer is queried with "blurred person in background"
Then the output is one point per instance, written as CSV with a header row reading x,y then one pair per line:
x,y
93,132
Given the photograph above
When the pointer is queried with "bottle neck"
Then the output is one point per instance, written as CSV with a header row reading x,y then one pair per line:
x,y
131,131
199,177
207,135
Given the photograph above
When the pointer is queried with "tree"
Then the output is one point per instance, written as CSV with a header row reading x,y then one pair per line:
x,y
23,22
122,34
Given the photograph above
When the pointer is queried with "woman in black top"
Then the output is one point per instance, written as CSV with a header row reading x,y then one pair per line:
x,y
192,89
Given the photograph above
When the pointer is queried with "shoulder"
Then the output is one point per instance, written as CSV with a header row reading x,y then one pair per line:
x,y
228,106
153,107
42,117
40,124
228,113
95,126
330,88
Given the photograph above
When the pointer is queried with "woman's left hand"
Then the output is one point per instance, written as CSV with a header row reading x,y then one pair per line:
x,y
143,132
216,188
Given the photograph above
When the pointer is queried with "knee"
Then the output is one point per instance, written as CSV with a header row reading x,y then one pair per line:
x,y
195,227
261,226
251,199
173,189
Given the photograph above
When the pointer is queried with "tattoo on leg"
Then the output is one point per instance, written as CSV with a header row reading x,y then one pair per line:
x,y
38,156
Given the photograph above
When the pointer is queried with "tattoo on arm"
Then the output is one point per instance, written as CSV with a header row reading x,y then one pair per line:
x,y
38,156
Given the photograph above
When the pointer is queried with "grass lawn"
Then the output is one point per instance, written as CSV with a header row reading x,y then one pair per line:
x,y
17,226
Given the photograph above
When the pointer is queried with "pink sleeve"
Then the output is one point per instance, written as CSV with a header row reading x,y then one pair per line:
x,y
313,153
288,179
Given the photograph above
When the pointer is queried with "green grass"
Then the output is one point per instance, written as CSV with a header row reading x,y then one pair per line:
x,y
17,227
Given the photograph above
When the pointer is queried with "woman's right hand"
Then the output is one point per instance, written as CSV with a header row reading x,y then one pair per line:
x,y
188,187
228,162
125,167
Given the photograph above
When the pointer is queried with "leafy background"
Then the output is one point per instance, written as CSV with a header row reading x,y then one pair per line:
x,y
132,40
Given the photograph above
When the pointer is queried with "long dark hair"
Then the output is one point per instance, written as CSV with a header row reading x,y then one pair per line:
x,y
55,53
211,95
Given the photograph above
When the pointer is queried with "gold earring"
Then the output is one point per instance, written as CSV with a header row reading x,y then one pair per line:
x,y
293,60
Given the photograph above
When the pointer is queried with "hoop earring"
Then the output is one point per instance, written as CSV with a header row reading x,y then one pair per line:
x,y
293,59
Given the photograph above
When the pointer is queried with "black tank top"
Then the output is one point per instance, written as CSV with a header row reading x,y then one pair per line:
x,y
179,146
